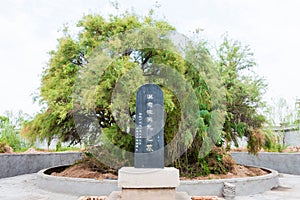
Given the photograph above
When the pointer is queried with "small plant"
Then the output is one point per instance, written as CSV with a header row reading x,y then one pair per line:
x,y
256,141
11,137
280,147
3,147
272,143
62,148
58,146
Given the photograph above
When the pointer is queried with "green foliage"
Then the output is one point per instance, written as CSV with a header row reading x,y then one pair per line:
x,y
243,92
59,149
59,78
11,137
256,141
271,143
9,130
62,148
218,161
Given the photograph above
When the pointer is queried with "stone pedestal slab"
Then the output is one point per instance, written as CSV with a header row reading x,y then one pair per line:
x,y
130,177
148,184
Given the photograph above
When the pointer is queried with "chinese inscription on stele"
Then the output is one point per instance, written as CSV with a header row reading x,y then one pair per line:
x,y
149,130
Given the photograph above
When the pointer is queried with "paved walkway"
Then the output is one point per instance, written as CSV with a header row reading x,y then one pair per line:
x,y
289,189
24,188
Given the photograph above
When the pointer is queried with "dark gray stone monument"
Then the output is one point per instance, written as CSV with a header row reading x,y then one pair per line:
x,y
141,182
149,127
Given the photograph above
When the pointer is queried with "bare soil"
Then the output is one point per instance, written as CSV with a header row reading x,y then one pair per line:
x,y
292,149
83,170
238,171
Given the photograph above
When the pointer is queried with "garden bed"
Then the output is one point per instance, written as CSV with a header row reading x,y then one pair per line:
x,y
84,170
213,187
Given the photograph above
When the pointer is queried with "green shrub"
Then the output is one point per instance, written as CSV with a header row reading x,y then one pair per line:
x,y
272,144
9,133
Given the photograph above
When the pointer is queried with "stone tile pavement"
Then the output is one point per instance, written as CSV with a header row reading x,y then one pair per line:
x,y
289,189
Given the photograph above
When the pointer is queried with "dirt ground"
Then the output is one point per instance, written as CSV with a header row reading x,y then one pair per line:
x,y
84,171
292,149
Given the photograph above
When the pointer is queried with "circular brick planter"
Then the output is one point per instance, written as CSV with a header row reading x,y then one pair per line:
x,y
84,186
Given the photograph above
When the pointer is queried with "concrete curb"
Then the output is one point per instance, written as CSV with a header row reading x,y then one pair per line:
x,y
287,163
18,164
87,187
75,186
244,186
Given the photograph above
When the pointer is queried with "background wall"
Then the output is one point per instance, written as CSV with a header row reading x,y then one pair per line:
x,y
282,162
289,138
285,137
17,164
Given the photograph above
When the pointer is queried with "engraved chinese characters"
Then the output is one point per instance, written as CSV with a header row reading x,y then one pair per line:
x,y
149,132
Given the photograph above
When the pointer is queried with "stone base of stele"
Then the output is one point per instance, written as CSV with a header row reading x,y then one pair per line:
x,y
148,184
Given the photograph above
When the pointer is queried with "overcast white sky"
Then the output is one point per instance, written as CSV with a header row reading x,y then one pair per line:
x,y
29,29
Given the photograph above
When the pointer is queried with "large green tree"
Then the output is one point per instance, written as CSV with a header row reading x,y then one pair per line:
x,y
244,89
71,66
